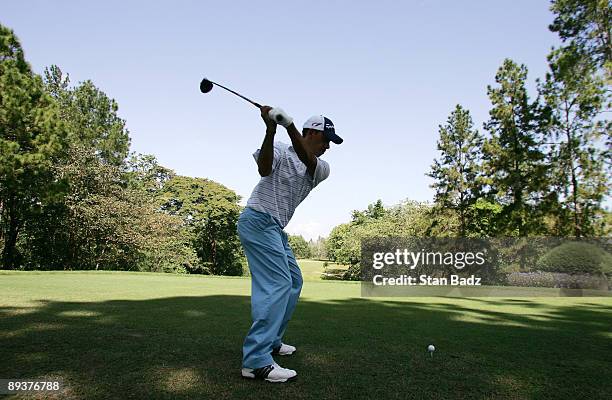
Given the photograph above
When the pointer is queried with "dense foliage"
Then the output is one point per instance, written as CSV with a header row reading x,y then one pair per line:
x,y
576,257
300,246
540,166
71,198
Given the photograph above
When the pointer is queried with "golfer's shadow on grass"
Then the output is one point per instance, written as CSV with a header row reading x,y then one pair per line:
x,y
190,347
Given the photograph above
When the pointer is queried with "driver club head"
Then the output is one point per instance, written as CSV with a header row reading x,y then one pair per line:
x,y
206,86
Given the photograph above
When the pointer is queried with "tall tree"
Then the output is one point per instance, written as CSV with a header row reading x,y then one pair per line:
x,y
457,172
212,211
144,172
318,248
408,218
513,159
374,211
576,96
102,224
91,116
585,26
31,137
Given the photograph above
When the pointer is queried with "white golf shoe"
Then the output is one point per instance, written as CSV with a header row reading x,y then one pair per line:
x,y
284,350
271,373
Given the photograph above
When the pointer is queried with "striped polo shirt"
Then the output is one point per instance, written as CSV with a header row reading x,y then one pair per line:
x,y
279,193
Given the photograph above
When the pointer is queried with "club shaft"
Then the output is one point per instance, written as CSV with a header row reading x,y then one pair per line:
x,y
238,94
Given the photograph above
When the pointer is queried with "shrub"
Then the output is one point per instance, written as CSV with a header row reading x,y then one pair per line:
x,y
353,273
576,258
558,280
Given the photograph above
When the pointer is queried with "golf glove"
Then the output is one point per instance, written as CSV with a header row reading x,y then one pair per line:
x,y
280,117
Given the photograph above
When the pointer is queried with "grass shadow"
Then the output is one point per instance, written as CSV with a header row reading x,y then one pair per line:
x,y
190,347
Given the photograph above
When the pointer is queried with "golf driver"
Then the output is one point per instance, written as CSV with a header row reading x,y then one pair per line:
x,y
279,116
207,85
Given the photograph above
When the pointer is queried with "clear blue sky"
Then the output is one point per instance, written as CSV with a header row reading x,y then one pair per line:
x,y
386,72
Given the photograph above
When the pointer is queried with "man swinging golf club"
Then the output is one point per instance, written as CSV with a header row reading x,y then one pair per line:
x,y
288,174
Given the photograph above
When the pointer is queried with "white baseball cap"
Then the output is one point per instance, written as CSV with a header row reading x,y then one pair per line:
x,y
321,123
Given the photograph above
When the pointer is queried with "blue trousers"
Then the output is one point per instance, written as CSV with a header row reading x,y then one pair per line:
x,y
276,283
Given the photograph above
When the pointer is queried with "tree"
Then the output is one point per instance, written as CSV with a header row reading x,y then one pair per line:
x,y
144,172
31,137
343,245
169,246
374,211
299,245
408,218
107,218
576,97
485,217
100,224
211,210
513,161
90,115
457,172
318,248
585,26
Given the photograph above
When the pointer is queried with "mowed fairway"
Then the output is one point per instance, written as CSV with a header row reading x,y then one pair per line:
x,y
153,336
313,269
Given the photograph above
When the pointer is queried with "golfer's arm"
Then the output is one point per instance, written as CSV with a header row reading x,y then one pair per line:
x,y
266,154
297,140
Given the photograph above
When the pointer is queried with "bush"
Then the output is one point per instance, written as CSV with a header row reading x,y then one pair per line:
x,y
558,280
353,273
576,258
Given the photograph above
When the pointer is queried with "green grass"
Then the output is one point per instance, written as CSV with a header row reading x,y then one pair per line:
x,y
153,336
312,269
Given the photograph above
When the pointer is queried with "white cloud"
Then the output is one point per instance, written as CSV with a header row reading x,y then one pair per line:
x,y
309,230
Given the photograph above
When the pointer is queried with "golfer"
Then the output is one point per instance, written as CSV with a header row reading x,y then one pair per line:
x,y
288,174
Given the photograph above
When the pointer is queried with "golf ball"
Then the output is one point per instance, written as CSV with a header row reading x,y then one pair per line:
x,y
431,348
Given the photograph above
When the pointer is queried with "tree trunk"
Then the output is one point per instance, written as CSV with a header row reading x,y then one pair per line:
x,y
213,256
577,222
577,211
10,242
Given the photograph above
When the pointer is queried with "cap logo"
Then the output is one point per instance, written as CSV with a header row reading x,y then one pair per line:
x,y
316,123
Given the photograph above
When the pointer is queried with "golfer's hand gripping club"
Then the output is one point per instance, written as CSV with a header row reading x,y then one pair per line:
x,y
280,117
270,123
